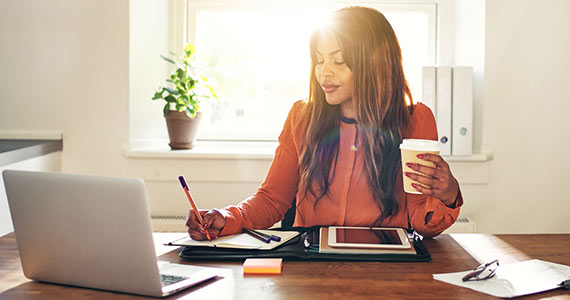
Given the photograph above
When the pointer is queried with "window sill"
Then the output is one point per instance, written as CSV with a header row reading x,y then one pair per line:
x,y
202,150
247,162
235,150
480,157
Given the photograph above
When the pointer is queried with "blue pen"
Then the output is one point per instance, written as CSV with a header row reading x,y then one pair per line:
x,y
268,236
257,235
276,238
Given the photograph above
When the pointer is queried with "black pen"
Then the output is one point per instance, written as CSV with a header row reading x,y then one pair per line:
x,y
269,236
256,235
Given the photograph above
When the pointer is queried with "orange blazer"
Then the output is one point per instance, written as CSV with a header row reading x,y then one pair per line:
x,y
349,201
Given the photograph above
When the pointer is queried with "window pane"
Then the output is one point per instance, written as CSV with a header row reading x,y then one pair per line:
x,y
258,62
411,29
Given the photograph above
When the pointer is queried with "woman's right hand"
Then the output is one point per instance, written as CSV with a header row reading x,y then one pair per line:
x,y
214,222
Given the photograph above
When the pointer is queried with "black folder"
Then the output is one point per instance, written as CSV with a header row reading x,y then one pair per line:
x,y
304,247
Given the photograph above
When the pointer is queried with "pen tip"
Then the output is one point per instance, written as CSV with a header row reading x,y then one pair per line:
x,y
182,181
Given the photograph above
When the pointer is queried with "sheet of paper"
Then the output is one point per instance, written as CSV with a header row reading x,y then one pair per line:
x,y
512,280
239,241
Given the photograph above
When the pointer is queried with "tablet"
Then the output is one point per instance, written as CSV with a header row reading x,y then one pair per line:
x,y
366,237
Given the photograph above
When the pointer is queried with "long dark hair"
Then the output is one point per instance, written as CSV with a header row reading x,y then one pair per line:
x,y
372,52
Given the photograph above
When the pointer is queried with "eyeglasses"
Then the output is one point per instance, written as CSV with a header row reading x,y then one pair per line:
x,y
482,272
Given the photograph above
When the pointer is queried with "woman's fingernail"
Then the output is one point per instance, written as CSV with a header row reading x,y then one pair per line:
x,y
420,156
407,174
414,185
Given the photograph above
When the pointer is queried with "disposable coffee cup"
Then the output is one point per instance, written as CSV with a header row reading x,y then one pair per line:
x,y
410,148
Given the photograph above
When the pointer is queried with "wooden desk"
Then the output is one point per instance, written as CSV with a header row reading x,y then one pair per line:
x,y
327,280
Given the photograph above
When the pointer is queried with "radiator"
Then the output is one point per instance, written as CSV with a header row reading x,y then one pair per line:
x,y
168,223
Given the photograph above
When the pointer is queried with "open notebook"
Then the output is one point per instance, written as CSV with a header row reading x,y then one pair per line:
x,y
238,241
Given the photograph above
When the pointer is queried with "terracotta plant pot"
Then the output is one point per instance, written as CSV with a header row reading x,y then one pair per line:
x,y
182,129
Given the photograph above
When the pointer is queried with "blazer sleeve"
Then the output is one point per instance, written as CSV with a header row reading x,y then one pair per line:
x,y
428,215
277,192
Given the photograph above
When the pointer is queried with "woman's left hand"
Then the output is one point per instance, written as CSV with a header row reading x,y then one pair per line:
x,y
438,181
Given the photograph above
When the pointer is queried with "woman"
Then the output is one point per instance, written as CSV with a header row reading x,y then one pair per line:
x,y
338,153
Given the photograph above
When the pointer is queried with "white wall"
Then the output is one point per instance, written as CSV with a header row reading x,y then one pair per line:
x,y
527,104
469,50
149,37
68,65
64,67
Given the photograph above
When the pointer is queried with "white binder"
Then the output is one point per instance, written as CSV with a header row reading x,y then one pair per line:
x,y
429,88
462,126
443,108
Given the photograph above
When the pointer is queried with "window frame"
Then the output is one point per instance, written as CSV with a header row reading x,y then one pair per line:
x,y
182,30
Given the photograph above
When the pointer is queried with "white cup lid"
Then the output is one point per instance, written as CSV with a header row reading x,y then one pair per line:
x,y
421,145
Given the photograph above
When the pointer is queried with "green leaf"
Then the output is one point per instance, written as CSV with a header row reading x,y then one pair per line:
x,y
173,54
170,99
180,73
157,95
172,61
172,91
168,60
184,99
189,49
180,101
180,88
211,89
191,112
166,109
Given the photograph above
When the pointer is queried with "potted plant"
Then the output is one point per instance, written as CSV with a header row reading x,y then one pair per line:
x,y
183,97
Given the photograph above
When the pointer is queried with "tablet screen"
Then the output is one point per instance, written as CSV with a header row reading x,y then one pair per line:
x,y
367,236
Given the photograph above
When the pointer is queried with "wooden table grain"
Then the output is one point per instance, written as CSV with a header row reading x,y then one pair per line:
x,y
325,280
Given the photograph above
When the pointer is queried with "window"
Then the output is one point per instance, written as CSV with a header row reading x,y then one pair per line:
x,y
256,55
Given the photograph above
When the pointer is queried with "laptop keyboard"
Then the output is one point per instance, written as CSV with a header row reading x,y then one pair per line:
x,y
171,279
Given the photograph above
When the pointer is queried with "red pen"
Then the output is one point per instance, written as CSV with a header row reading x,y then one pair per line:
x,y
187,191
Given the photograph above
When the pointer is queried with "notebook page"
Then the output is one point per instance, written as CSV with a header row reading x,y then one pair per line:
x,y
239,241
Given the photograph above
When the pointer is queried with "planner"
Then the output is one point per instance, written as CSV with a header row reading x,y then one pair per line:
x,y
305,246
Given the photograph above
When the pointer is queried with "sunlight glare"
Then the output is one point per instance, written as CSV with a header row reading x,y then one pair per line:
x,y
258,60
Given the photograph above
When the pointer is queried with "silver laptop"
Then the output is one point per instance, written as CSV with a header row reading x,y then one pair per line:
x,y
91,231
